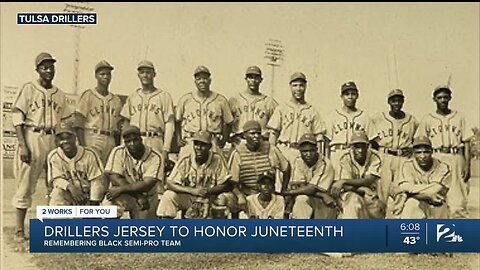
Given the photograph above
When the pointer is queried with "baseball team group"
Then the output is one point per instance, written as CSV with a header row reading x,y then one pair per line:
x,y
243,157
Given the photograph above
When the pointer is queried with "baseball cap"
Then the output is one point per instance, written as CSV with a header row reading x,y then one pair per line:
x,y
64,127
203,136
441,88
145,64
201,69
395,92
253,70
251,124
307,138
103,64
44,57
359,137
298,76
129,130
266,177
422,140
350,85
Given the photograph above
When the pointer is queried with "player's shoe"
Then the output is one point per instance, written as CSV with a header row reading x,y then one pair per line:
x,y
19,237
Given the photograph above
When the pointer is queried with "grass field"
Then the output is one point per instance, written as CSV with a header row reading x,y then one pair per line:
x,y
16,256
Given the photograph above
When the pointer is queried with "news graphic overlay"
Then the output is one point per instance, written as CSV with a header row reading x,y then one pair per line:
x,y
253,235
57,18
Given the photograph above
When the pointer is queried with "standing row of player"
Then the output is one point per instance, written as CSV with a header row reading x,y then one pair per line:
x,y
40,106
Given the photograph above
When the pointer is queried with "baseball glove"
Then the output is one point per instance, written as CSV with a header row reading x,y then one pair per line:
x,y
198,210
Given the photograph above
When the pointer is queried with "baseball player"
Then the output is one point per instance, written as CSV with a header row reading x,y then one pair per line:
x,y
424,182
446,129
294,118
98,114
251,158
151,110
76,172
343,122
265,204
251,104
203,110
201,177
360,169
134,171
38,107
393,137
311,180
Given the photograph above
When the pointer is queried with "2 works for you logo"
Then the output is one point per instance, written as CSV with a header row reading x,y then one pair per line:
x,y
56,18
447,234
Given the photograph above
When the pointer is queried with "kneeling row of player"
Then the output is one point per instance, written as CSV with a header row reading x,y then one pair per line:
x,y
134,174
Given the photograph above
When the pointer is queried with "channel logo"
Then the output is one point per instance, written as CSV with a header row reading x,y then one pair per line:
x,y
447,234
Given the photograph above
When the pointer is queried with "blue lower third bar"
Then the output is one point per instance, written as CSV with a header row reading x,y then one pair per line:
x,y
253,235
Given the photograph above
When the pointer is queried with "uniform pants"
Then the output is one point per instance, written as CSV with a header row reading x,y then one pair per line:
x,y
129,203
26,175
335,156
101,144
415,209
355,206
457,196
306,207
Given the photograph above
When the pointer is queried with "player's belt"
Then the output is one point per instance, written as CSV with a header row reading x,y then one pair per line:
x,y
448,150
151,134
338,146
103,132
288,144
394,152
43,130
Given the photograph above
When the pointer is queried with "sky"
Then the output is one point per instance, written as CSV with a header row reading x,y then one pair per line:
x,y
412,46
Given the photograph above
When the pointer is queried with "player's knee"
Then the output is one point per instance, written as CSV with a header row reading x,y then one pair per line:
x,y
302,199
412,209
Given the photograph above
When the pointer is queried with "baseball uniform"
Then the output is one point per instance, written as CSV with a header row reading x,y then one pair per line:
x,y
413,179
202,114
84,171
150,112
321,176
447,133
38,110
292,120
187,172
102,114
274,209
354,205
245,165
151,164
246,106
393,136
340,125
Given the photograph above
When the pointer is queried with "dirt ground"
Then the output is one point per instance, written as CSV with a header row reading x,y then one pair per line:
x,y
15,256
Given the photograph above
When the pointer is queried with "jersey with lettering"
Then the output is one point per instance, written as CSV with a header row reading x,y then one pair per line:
x,y
149,111
443,130
83,171
209,114
101,112
394,133
188,173
246,106
351,169
274,209
341,125
150,165
39,107
320,175
293,120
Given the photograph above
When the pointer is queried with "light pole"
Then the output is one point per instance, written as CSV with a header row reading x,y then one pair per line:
x,y
77,7
274,53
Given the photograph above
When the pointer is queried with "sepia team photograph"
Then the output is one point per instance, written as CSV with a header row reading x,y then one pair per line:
x,y
240,111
